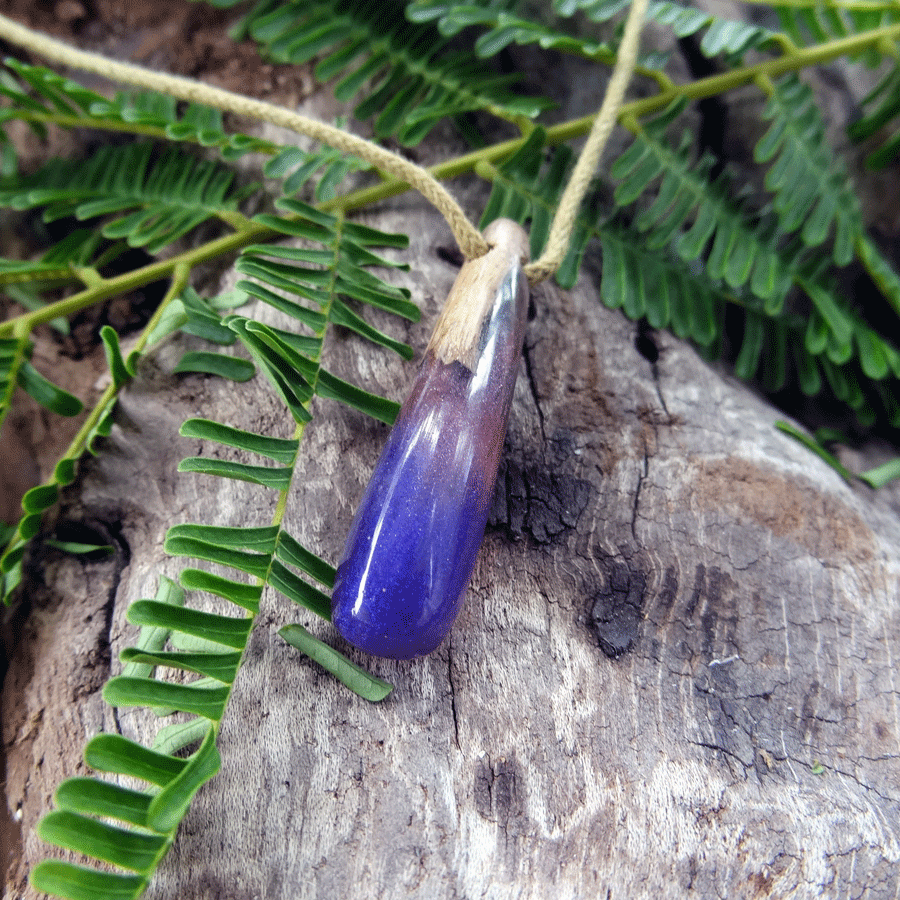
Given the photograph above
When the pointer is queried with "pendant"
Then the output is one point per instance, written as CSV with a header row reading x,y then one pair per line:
x,y
413,542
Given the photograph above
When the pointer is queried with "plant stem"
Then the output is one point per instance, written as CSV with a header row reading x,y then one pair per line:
x,y
697,90
128,281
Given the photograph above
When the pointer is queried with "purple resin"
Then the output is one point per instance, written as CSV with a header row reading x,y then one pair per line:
x,y
413,541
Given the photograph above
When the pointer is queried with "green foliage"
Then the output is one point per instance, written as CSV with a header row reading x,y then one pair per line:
x,y
812,23
205,645
681,246
410,80
148,200
504,26
880,118
750,276
41,96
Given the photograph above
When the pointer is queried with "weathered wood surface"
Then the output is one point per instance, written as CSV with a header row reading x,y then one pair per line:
x,y
677,618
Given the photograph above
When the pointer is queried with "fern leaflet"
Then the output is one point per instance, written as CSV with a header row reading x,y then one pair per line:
x,y
415,81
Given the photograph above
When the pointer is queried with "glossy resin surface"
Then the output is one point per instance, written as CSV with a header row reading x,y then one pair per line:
x,y
413,542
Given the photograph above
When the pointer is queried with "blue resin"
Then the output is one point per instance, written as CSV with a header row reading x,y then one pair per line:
x,y
413,542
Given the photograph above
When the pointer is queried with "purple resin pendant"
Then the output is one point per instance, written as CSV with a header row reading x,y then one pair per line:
x,y
413,542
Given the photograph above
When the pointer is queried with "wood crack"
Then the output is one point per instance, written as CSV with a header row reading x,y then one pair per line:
x,y
529,372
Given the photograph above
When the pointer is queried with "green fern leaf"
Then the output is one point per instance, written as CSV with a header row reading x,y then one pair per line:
x,y
255,564
811,187
91,796
244,595
163,198
46,393
347,672
124,691
291,551
110,843
200,320
220,666
259,540
277,479
174,738
334,388
279,449
63,879
118,755
297,590
231,367
225,630
414,81
152,639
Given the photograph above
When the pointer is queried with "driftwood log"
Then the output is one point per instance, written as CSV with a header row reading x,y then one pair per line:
x,y
674,673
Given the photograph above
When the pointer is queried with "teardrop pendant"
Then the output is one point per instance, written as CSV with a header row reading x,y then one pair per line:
x,y
413,542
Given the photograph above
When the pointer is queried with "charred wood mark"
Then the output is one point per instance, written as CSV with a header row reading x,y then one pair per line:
x,y
669,590
617,607
542,502
496,790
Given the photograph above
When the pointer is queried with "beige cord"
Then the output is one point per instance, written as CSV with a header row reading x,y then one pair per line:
x,y
564,220
469,239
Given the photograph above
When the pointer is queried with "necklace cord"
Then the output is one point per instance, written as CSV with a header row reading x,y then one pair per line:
x,y
467,236
564,220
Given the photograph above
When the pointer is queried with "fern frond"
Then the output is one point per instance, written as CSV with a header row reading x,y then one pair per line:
x,y
728,38
812,191
506,26
40,96
411,81
15,369
817,22
690,251
209,645
295,167
152,200
880,116
327,276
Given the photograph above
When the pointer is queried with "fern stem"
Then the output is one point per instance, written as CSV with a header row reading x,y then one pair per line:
x,y
700,89
773,68
128,281
69,121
